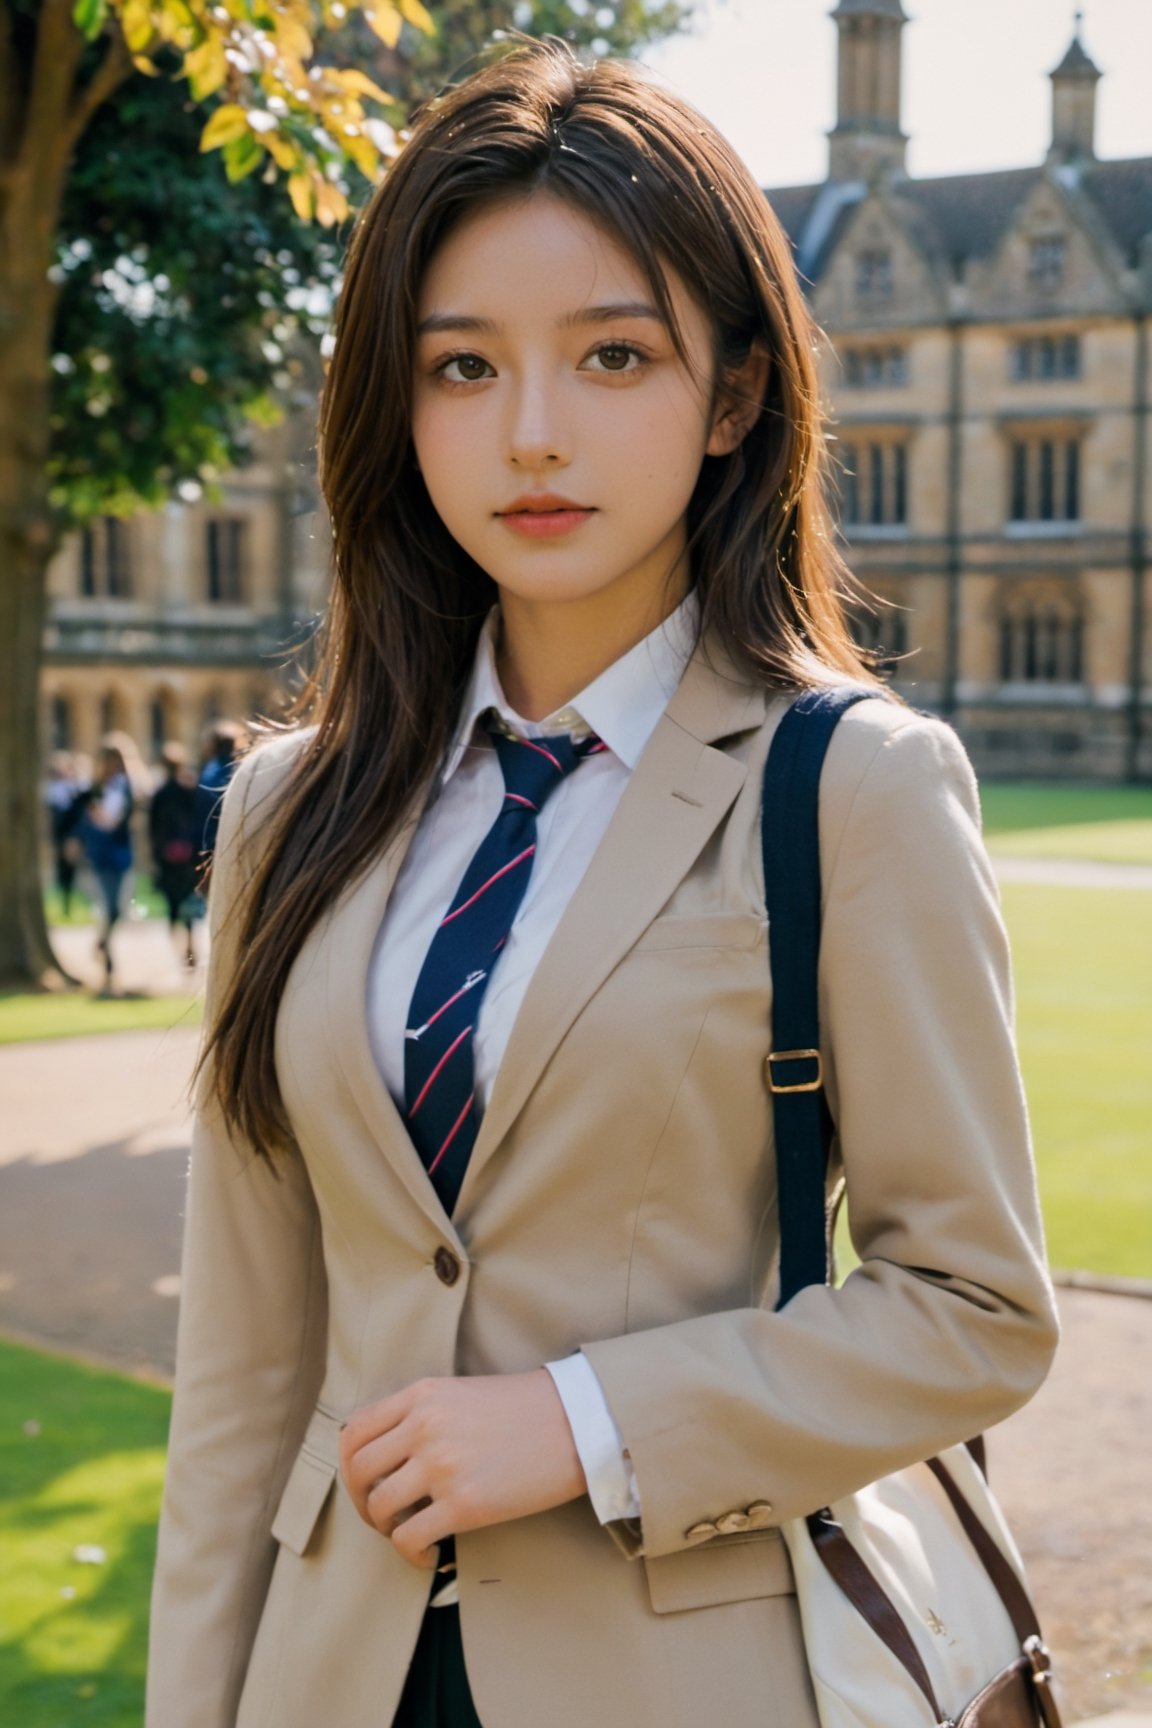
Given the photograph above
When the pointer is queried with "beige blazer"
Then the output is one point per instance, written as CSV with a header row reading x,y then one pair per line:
x,y
620,1199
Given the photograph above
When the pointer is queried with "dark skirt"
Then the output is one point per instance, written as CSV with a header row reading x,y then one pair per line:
x,y
436,1693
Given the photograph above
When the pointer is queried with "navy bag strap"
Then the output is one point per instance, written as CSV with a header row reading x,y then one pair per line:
x,y
790,836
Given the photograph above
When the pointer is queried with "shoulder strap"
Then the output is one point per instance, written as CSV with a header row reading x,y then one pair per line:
x,y
790,836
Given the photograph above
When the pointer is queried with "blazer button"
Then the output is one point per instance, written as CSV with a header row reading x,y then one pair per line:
x,y
701,1532
730,1523
760,1514
447,1266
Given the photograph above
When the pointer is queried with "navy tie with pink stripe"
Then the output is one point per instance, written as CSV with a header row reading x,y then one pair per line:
x,y
439,1074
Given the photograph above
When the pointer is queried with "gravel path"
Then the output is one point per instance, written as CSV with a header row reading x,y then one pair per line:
x,y
93,1148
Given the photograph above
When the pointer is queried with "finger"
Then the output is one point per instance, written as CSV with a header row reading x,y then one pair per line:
x,y
375,1460
392,1496
415,1539
372,1420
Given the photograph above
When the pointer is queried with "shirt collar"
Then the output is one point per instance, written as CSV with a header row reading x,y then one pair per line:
x,y
622,705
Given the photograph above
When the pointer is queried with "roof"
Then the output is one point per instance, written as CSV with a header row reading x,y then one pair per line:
x,y
962,216
871,9
1076,63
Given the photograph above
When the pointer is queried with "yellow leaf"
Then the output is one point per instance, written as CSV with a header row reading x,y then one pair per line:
x,y
292,38
229,121
136,23
206,68
144,66
331,204
280,151
386,22
360,84
418,15
302,196
365,156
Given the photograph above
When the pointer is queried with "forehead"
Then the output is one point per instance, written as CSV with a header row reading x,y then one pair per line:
x,y
534,256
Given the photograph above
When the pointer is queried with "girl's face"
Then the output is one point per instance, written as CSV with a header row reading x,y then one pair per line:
x,y
559,433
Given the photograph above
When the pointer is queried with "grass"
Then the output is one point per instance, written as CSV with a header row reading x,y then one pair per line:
x,y
1083,961
82,1460
146,903
73,1014
1105,824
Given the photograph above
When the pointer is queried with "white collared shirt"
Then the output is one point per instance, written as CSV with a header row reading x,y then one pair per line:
x,y
623,707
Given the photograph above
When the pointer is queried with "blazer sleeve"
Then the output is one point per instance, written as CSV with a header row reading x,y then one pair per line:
x,y
249,1357
948,1324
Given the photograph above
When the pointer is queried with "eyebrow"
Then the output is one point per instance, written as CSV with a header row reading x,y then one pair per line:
x,y
439,322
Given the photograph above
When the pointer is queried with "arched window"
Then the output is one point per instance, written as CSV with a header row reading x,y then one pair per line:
x,y
1041,632
882,632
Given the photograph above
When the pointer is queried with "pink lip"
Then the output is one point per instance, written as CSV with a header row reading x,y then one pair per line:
x,y
544,515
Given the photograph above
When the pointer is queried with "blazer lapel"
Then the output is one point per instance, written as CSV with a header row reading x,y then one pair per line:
x,y
679,792
352,936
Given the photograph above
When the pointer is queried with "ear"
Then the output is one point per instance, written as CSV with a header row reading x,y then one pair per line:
x,y
738,403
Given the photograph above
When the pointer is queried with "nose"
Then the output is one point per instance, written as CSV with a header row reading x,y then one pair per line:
x,y
538,433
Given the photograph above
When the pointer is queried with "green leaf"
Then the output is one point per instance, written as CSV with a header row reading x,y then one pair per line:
x,y
242,156
89,17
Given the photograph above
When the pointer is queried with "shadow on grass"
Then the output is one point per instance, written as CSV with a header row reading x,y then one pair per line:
x,y
81,1458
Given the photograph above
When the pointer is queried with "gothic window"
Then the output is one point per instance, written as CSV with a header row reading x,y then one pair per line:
x,y
1042,639
1046,258
881,631
60,727
106,559
874,483
1046,358
871,368
874,273
1044,483
227,560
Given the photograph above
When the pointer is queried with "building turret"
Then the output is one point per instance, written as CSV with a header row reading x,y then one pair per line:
x,y
867,139
1074,103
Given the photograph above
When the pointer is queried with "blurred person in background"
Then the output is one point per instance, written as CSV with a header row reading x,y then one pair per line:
x,y
105,831
174,833
69,777
223,747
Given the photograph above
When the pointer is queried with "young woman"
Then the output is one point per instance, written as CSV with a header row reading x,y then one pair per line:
x,y
482,1411
105,833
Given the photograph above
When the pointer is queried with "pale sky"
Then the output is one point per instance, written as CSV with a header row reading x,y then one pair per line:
x,y
976,91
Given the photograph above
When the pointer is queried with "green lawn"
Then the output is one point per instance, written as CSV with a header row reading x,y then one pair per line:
x,y
71,1015
82,1460
1107,824
1083,962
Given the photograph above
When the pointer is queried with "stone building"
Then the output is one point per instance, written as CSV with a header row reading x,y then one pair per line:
x,y
989,375
162,623
988,372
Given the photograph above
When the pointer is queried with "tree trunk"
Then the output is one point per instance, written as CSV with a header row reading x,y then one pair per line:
x,y
37,151
27,540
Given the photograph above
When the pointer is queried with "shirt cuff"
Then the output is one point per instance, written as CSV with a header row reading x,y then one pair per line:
x,y
606,1465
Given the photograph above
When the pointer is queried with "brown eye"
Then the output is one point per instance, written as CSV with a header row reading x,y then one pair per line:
x,y
615,356
469,369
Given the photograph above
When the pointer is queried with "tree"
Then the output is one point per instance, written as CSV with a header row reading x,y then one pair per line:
x,y
146,300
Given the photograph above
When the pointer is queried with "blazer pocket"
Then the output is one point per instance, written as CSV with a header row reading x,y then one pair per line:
x,y
736,1569
304,1498
710,930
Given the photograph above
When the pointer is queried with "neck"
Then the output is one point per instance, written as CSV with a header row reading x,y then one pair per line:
x,y
548,653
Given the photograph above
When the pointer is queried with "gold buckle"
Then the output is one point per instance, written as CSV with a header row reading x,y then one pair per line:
x,y
795,1056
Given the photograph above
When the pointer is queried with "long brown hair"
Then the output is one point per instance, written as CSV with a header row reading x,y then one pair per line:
x,y
407,602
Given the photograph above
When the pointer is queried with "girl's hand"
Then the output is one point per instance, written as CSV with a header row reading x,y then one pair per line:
x,y
450,1455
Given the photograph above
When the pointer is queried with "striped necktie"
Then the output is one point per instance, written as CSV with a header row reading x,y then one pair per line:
x,y
439,1076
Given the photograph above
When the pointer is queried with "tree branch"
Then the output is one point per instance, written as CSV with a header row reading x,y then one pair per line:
x,y
115,67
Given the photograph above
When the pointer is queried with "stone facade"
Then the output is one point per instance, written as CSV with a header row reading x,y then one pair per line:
x,y
164,623
990,389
